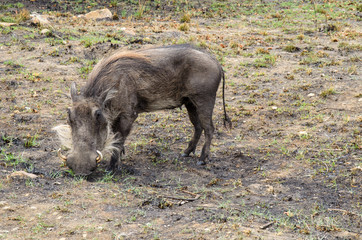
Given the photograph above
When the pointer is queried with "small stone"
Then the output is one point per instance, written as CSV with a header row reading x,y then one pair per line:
x,y
355,170
311,95
274,107
147,39
98,14
129,32
45,32
8,208
270,189
22,174
39,20
6,24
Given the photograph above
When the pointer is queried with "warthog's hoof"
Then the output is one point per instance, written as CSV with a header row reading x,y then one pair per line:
x,y
112,169
199,163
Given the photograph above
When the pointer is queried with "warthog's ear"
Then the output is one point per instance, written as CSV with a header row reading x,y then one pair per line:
x,y
107,97
73,92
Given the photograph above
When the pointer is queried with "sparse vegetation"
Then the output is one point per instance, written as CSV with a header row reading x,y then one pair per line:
x,y
266,60
328,92
291,48
184,27
31,141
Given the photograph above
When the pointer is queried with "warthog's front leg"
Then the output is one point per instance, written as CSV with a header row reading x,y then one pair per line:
x,y
116,155
122,127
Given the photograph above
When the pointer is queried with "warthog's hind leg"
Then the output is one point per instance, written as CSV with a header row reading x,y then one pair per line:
x,y
194,118
200,113
206,123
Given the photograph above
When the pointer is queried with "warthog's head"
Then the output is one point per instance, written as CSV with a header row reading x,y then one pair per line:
x,y
87,134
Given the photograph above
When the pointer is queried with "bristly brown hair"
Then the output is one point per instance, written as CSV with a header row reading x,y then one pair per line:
x,y
64,133
126,63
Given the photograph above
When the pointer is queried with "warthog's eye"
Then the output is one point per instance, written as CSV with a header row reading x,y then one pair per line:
x,y
98,115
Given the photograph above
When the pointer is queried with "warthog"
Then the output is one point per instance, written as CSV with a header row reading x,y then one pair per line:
x,y
128,83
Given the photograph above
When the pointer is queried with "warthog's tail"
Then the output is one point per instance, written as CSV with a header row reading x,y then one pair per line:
x,y
227,121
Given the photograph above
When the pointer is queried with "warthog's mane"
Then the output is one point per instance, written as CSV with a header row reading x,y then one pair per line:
x,y
104,75
64,133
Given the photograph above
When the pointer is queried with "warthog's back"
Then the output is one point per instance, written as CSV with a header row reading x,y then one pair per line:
x,y
161,77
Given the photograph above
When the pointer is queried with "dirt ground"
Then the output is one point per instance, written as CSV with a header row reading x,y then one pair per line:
x,y
290,168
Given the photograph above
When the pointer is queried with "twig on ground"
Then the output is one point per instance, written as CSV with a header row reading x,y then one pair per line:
x,y
191,193
342,210
265,226
182,199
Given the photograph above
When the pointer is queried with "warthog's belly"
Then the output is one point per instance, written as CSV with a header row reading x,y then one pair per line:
x,y
162,104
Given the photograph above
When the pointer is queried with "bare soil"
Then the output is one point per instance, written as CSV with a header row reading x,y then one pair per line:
x,y
290,168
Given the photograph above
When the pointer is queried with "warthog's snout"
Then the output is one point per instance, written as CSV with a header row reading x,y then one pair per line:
x,y
82,164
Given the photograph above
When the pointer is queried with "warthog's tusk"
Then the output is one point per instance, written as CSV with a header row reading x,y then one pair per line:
x,y
61,156
99,157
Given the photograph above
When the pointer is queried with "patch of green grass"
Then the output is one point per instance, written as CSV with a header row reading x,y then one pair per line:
x,y
261,51
359,8
87,68
54,41
291,48
32,141
349,47
7,140
333,62
10,159
184,27
7,18
55,174
22,15
108,177
267,60
327,92
186,18
54,53
70,172
4,6
88,42
310,58
19,17
352,70
41,226
13,64
142,9
32,76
